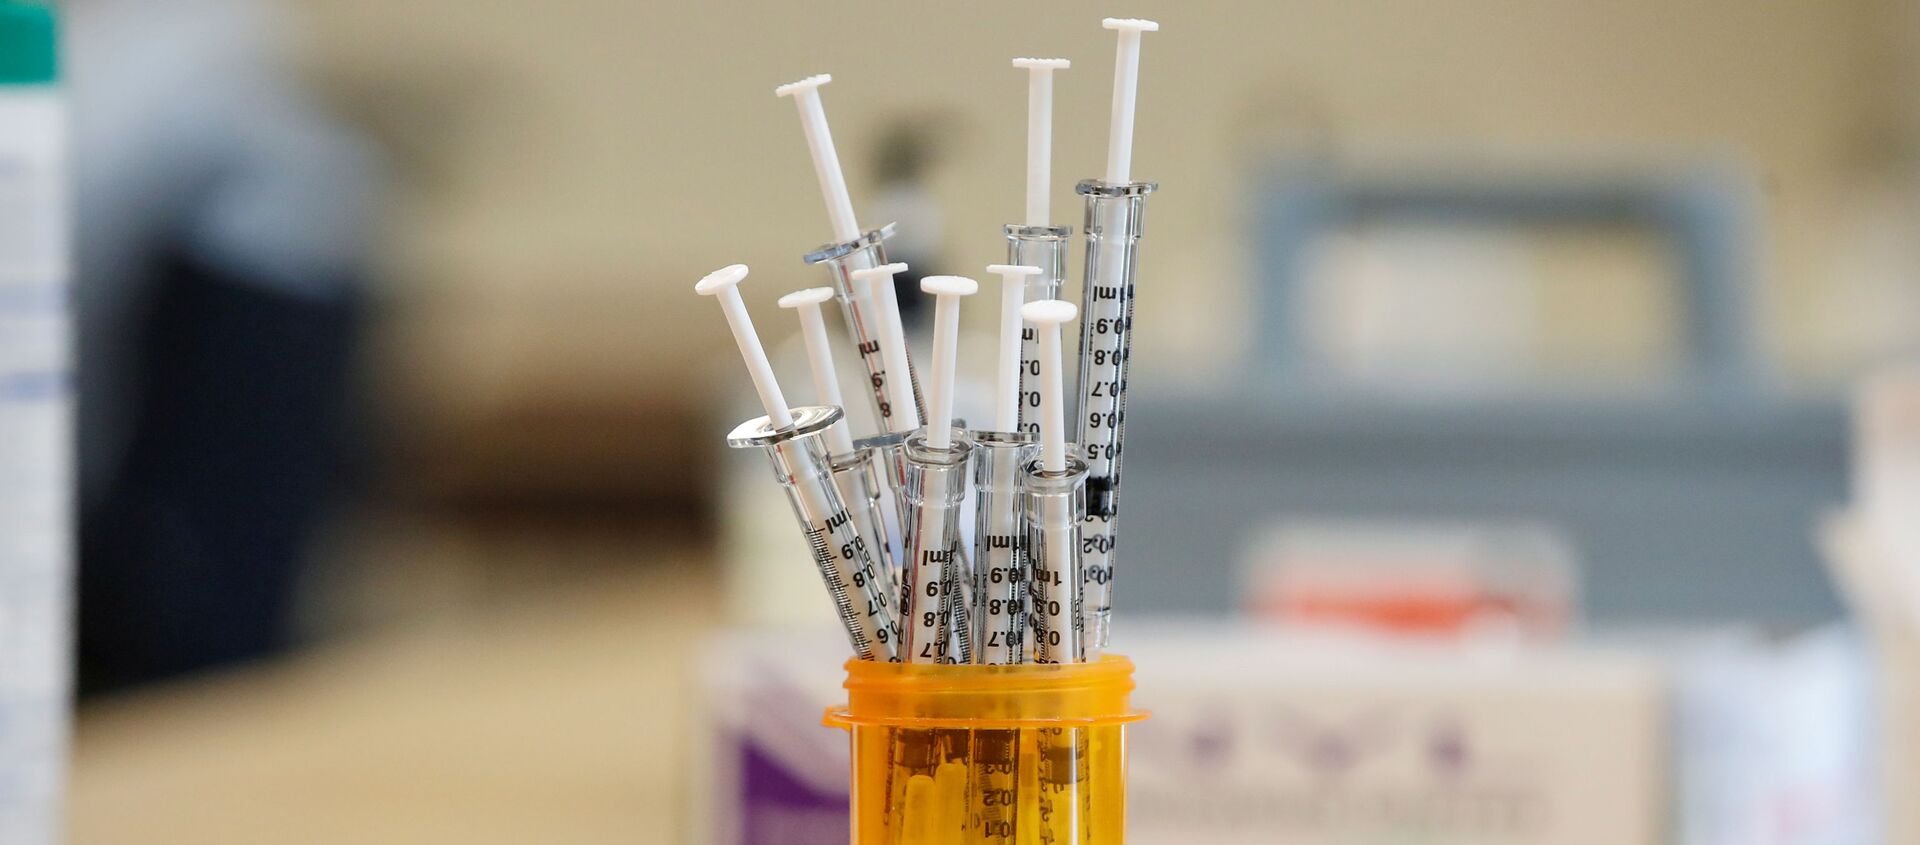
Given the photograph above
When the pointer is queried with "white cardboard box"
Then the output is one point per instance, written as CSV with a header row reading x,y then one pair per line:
x,y
1260,737
1330,742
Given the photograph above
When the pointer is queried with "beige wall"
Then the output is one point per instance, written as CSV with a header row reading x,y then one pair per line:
x,y
574,166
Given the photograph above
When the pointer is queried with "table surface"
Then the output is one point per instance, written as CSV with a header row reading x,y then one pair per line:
x,y
559,718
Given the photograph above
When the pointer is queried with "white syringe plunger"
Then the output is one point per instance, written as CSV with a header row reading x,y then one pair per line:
x,y
893,342
1126,83
946,292
1040,135
1006,382
813,332
1046,316
826,162
724,285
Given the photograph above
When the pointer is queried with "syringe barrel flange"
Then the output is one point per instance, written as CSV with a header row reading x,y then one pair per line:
x,y
1052,507
932,595
1115,210
888,448
798,454
1045,247
999,548
842,260
790,465
844,257
999,458
858,473
1039,246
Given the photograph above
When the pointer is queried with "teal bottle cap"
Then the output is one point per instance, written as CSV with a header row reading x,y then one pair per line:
x,y
27,44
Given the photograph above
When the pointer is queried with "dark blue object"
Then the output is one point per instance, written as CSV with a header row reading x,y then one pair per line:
x,y
190,559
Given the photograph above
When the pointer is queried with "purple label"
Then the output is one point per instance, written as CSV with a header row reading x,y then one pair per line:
x,y
778,808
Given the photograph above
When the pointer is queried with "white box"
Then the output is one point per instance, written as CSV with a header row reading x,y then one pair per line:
x,y
1258,736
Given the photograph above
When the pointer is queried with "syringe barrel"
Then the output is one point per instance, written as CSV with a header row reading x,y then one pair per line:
x,y
1052,507
856,475
1044,247
1114,221
999,556
798,455
863,316
931,590
1064,782
891,451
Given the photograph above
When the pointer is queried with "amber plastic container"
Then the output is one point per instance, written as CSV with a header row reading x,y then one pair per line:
x,y
996,755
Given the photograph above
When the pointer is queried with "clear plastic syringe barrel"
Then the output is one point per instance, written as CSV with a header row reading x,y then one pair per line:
x,y
891,451
1044,247
857,476
801,465
999,579
891,461
1114,219
1000,620
863,318
1052,505
930,596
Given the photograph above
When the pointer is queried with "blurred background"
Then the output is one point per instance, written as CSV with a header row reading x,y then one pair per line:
x,y
405,514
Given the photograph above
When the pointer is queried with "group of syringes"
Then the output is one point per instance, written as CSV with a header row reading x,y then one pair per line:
x,y
1035,584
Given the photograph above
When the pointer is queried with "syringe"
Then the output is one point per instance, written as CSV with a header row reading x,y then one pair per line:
x,y
851,250
999,609
933,600
1036,242
794,440
876,284
855,471
1052,505
936,467
1115,207
999,559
